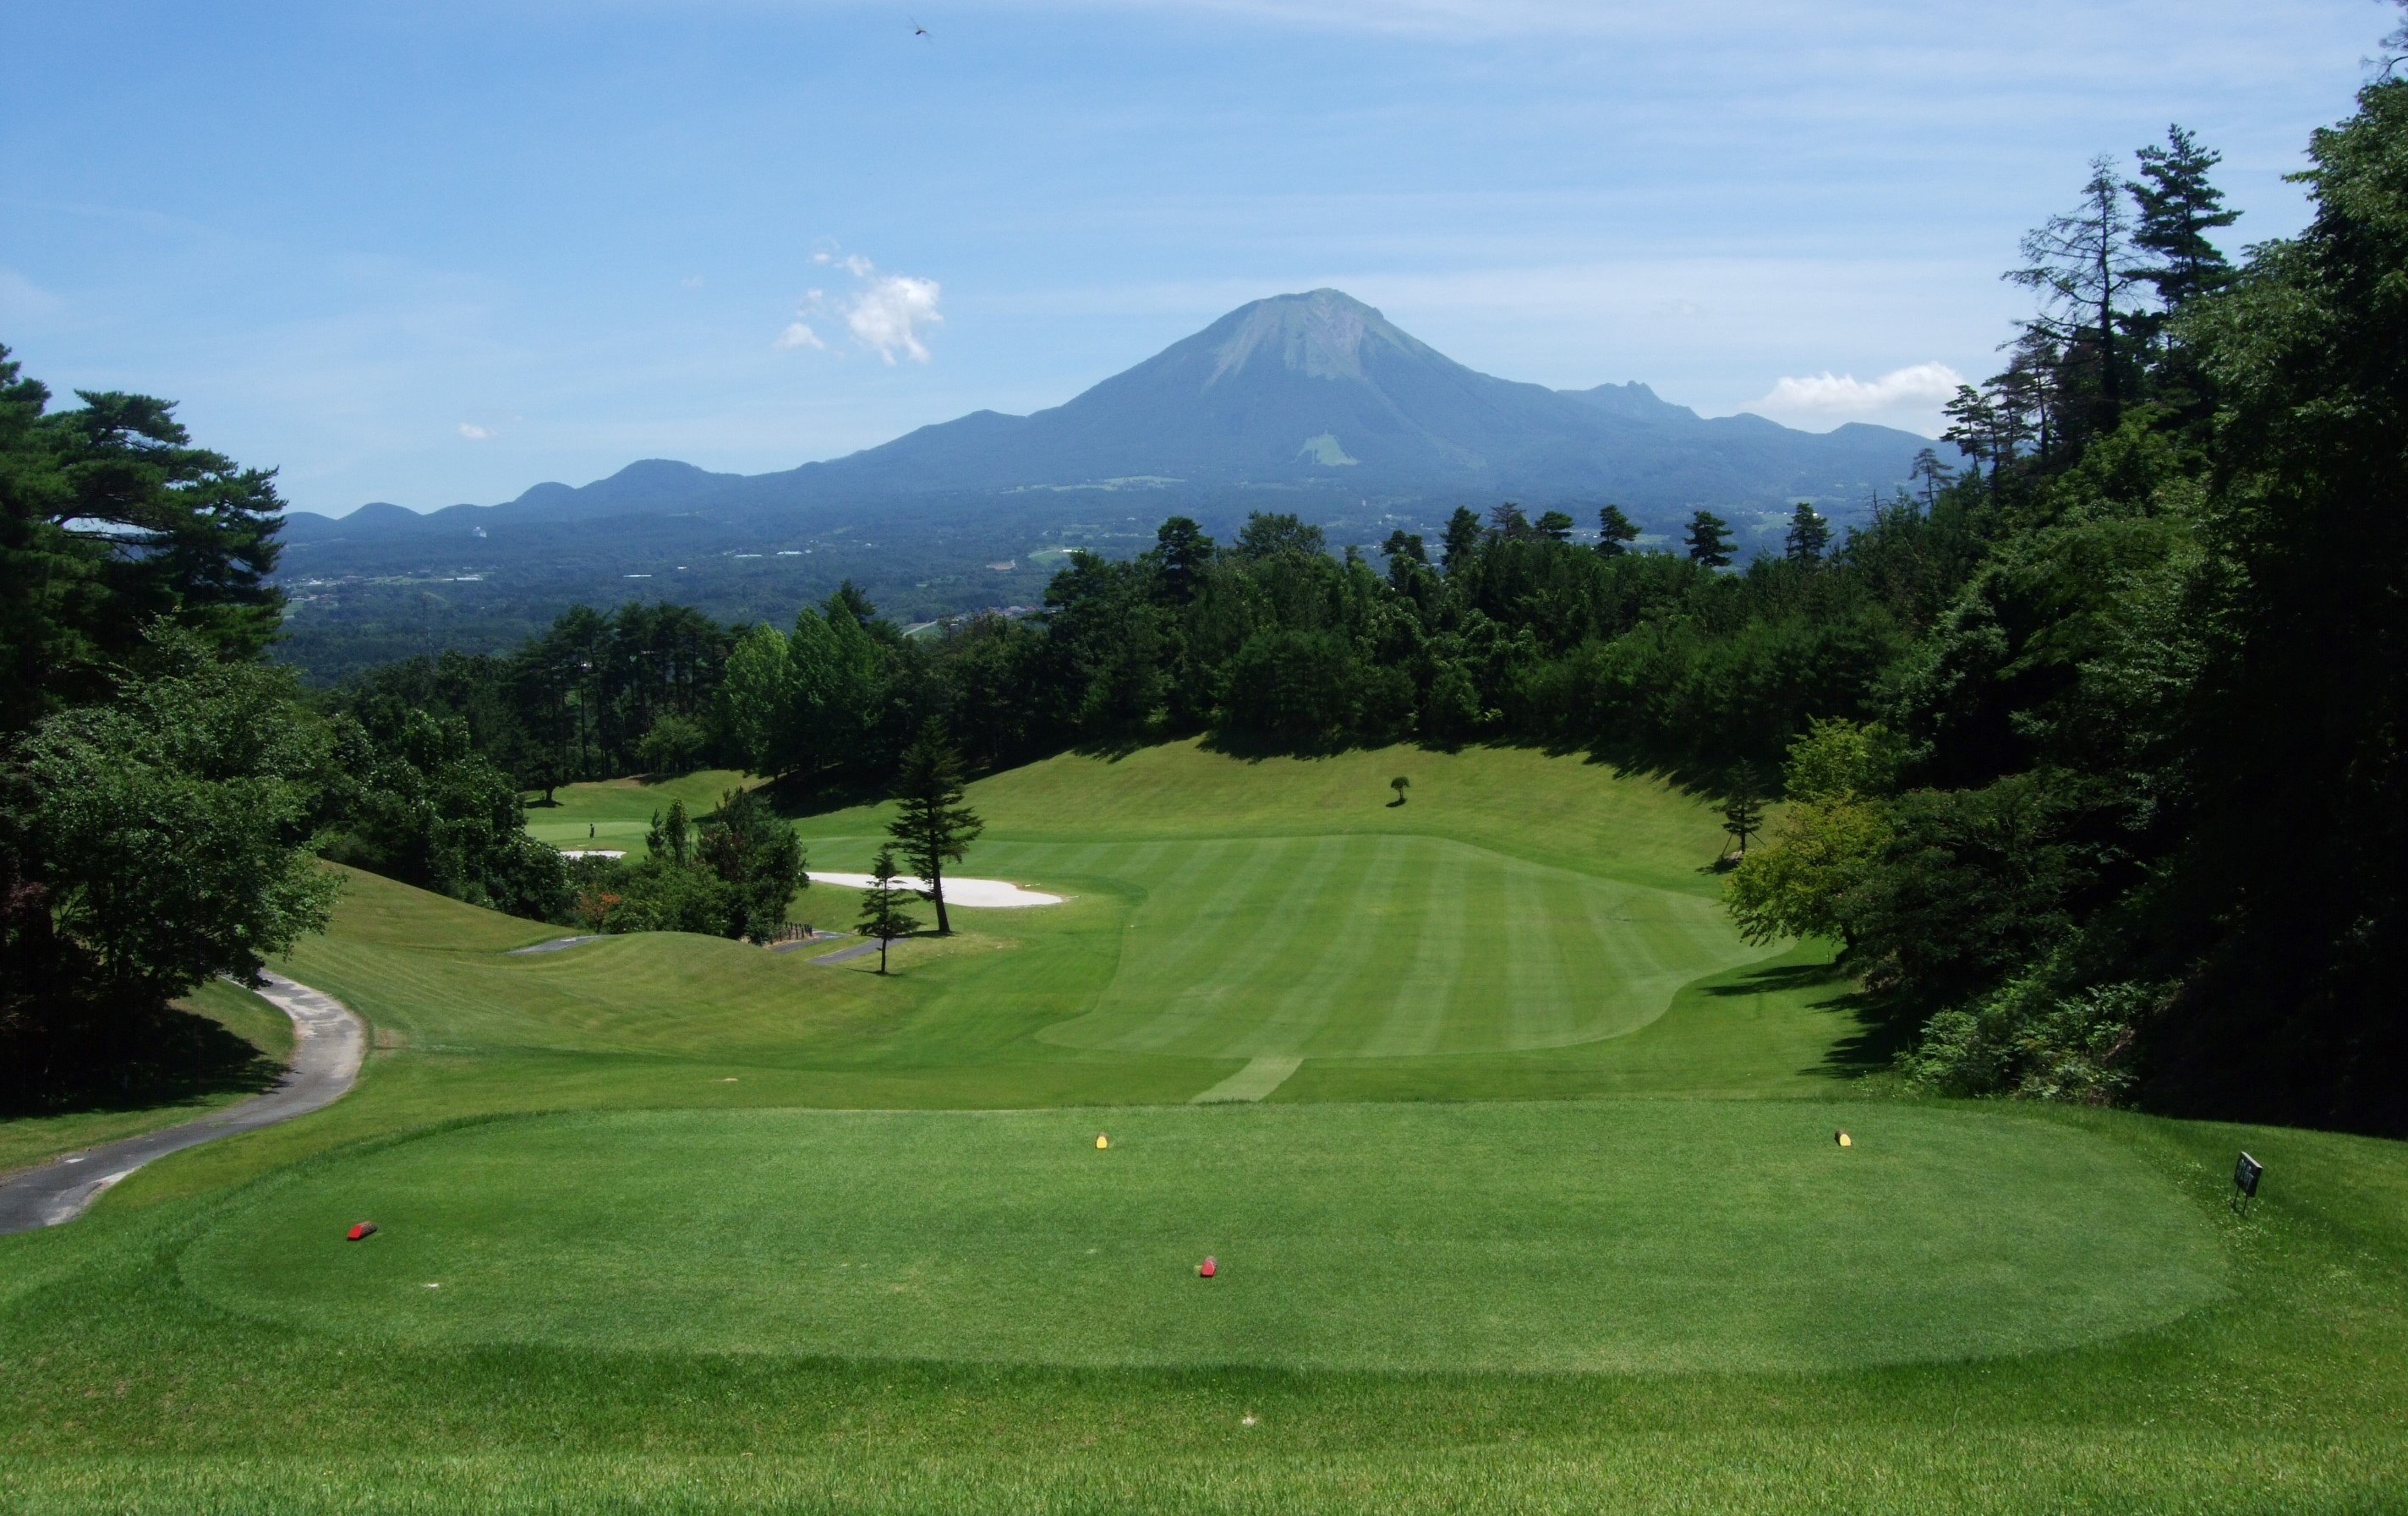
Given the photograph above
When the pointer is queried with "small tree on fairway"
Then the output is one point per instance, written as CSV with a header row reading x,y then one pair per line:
x,y
1710,540
1400,785
934,827
882,915
1743,811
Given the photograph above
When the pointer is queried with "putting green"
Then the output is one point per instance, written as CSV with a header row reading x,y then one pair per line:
x,y
1355,946
1613,1236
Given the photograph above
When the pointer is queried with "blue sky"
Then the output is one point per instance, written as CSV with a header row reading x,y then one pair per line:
x,y
431,253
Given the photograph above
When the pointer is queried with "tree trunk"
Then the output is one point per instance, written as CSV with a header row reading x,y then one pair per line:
x,y
937,894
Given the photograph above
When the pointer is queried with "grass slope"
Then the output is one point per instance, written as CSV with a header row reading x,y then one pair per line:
x,y
1546,1301
1514,801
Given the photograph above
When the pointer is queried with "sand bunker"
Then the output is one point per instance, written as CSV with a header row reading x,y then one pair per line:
x,y
993,894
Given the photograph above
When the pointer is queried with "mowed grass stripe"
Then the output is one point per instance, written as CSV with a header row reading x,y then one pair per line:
x,y
1189,926
1355,946
1302,919
1532,970
1424,995
1181,964
1359,926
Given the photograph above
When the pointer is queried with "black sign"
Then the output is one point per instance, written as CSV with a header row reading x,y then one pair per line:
x,y
2245,1175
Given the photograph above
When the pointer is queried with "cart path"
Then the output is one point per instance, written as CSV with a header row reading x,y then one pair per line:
x,y
328,1041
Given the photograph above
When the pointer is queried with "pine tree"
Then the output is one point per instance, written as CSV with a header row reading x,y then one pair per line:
x,y
1505,521
1710,540
671,837
1180,554
1462,539
2178,208
932,826
2081,266
1615,531
882,915
1932,476
1808,535
1743,811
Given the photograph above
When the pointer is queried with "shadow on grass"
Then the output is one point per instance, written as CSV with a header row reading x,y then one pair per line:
x,y
1688,776
175,1057
795,797
1878,1036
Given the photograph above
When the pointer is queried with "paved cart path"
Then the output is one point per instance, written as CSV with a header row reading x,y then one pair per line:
x,y
327,1043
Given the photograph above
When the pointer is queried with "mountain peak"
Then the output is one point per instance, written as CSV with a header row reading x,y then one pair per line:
x,y
1321,334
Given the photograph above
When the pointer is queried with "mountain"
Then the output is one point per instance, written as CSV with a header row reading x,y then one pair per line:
x,y
1311,403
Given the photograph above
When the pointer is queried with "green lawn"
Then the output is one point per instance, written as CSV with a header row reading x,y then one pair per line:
x,y
618,812
1529,1202
1628,1236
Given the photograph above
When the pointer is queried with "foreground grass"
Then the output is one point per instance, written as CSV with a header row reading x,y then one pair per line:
x,y
612,1149
125,1388
1731,1237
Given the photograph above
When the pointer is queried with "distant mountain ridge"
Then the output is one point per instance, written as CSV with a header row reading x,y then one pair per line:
x,y
1312,403
1314,398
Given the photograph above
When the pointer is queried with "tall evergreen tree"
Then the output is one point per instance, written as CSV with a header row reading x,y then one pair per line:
x,y
1808,535
882,913
1615,531
1182,553
1931,474
2081,266
2178,208
932,826
1462,539
1710,540
1744,807
111,520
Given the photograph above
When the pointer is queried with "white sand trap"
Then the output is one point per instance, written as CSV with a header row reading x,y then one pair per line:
x,y
592,853
989,894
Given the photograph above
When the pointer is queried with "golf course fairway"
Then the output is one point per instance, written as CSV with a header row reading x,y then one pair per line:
x,y
1517,1162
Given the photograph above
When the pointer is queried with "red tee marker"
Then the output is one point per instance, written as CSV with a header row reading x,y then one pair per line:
x,y
1207,1267
363,1229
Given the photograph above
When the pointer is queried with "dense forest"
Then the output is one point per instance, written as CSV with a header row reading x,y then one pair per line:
x,y
2087,742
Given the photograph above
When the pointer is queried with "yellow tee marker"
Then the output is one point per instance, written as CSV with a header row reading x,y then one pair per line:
x,y
1843,1139
1102,1141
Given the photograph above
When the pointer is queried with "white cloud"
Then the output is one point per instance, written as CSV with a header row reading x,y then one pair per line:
x,y
888,316
475,432
1916,388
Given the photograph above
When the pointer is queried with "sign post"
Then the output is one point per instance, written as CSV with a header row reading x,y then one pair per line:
x,y
2246,1172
